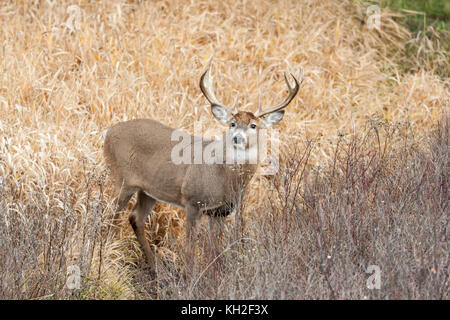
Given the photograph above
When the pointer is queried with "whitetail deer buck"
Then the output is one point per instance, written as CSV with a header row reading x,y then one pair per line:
x,y
139,155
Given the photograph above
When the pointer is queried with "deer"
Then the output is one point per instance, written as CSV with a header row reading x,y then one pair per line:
x,y
139,154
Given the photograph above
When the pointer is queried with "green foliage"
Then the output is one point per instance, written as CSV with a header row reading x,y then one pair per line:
x,y
429,12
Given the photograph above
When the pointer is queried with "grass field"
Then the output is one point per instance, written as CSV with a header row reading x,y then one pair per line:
x,y
365,147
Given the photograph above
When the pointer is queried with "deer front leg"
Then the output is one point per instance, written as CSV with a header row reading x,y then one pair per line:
x,y
239,219
192,216
216,226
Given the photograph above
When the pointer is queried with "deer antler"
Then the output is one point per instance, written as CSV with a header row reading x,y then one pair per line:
x,y
206,85
292,92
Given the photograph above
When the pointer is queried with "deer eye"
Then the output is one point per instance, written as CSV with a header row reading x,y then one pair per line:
x,y
253,126
233,124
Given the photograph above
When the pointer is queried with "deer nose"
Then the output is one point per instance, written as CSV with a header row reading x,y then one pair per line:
x,y
238,139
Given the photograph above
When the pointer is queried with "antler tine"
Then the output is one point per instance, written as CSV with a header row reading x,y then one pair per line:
x,y
206,85
236,102
292,93
259,102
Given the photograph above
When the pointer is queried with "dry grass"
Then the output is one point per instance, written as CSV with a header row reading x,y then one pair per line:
x,y
64,81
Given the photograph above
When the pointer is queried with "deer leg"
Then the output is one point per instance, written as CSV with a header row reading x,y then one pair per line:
x,y
124,196
239,219
137,218
216,225
192,216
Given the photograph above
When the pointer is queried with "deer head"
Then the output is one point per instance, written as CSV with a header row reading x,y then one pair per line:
x,y
244,126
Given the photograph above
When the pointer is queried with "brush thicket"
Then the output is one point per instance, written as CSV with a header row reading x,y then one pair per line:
x,y
68,72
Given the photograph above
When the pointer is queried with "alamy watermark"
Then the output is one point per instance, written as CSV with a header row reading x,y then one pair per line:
x,y
373,13
73,281
260,147
374,280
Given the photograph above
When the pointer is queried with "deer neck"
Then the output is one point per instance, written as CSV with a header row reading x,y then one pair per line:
x,y
242,164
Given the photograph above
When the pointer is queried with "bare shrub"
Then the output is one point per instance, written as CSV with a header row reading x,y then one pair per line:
x,y
40,237
381,200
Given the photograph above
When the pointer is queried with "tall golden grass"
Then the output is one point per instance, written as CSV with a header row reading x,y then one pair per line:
x,y
71,69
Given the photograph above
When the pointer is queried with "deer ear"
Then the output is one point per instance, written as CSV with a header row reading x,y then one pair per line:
x,y
271,119
221,113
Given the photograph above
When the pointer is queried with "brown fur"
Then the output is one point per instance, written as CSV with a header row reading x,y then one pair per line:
x,y
245,117
138,153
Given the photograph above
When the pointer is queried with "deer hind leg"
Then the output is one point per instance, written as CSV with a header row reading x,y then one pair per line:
x,y
137,218
125,194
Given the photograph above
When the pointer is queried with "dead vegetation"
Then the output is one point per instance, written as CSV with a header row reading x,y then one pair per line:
x,y
365,176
